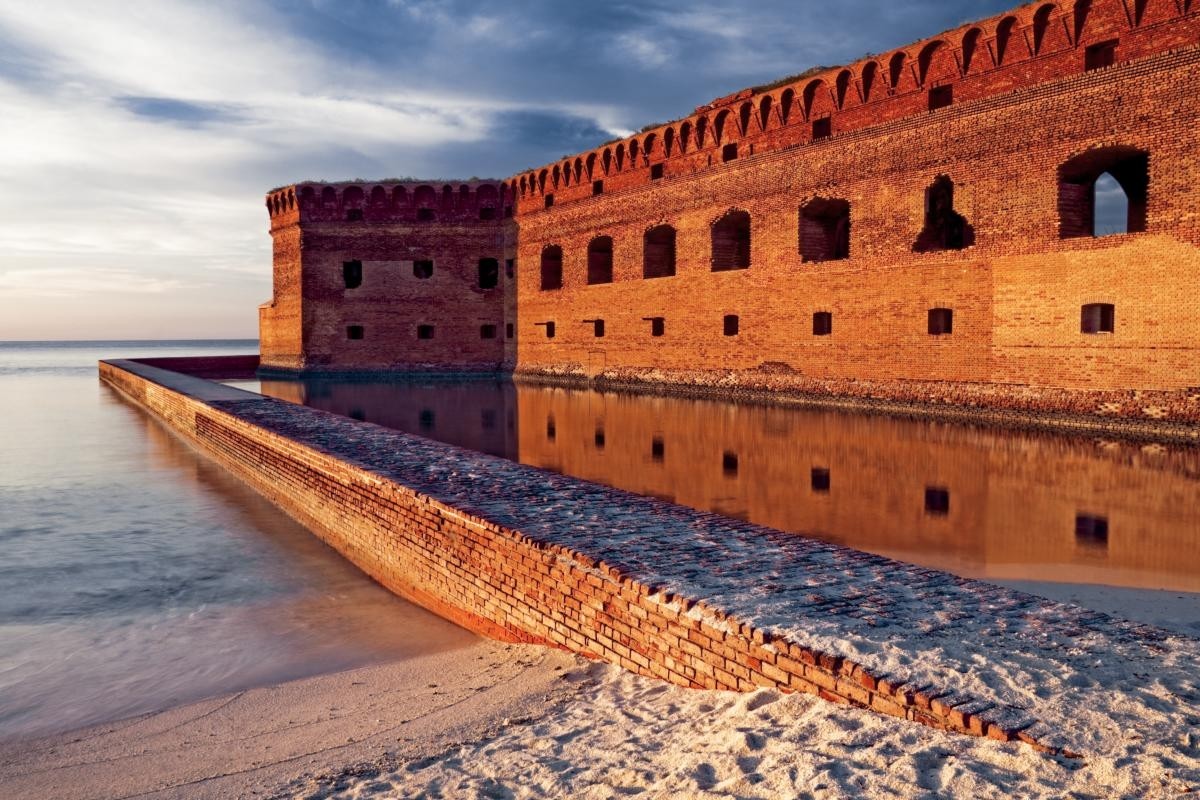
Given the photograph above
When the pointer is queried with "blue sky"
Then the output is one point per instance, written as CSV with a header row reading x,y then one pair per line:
x,y
139,137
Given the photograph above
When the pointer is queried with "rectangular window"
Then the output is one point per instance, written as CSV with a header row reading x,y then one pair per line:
x,y
352,273
597,327
732,325
425,214
551,429
510,267
508,330
658,449
822,128
549,326
354,331
1091,530
729,464
487,331
729,152
656,172
940,97
489,273
422,269
599,437
658,325
822,323
426,419
1098,318
937,501
597,188
549,200
424,331
1101,55
941,321
487,212
820,480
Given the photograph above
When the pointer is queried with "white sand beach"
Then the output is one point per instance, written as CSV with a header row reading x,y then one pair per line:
x,y
504,721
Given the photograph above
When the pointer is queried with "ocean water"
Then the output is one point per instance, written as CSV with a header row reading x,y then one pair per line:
x,y
135,574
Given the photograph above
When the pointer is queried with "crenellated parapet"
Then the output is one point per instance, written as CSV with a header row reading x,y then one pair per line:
x,y
390,202
1036,43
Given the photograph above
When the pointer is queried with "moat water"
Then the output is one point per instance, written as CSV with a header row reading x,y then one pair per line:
x,y
1027,510
135,575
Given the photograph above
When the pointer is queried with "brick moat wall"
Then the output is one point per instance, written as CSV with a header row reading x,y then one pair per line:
x,y
497,580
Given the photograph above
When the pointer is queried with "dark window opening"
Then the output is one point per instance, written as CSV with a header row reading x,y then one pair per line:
x,y
937,501
940,97
425,214
508,212
820,480
354,331
732,324
1102,192
597,327
354,215
600,260
656,172
658,252
487,212
352,274
509,330
945,228
1101,55
489,273
487,419
822,323
824,230
729,152
549,326
729,464
426,419
510,267
423,269
941,321
551,429
658,449
552,268
1091,531
424,331
822,128
549,200
1098,318
731,242
658,325
487,331
598,439
597,188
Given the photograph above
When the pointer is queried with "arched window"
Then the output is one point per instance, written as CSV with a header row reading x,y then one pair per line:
x,y
764,112
970,43
870,76
896,70
1082,9
552,268
658,252
591,165
1004,38
843,87
685,136
1103,191
701,131
786,100
600,260
668,142
744,115
719,126
1041,23
606,160
620,157
731,242
945,228
824,230
648,146
1139,11
633,153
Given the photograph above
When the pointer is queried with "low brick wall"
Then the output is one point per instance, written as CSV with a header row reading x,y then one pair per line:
x,y
471,563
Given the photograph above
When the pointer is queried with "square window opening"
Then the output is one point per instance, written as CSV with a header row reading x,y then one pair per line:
x,y
423,269
732,325
424,331
937,501
822,323
1098,318
354,332
820,480
822,128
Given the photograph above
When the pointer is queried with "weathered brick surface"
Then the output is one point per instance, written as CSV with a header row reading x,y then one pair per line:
x,y
692,598
1024,105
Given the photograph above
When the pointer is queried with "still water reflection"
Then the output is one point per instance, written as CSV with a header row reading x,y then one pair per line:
x,y
977,502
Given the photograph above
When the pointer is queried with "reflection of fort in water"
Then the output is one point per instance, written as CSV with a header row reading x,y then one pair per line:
x,y
976,502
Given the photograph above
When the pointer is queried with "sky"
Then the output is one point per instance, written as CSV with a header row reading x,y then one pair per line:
x,y
139,137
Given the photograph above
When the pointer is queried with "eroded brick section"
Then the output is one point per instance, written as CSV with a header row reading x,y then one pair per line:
x,y
692,598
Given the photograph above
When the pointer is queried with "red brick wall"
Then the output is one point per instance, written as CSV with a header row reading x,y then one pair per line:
x,y
318,228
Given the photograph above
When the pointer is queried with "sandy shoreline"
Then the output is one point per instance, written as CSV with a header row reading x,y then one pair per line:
x,y
250,743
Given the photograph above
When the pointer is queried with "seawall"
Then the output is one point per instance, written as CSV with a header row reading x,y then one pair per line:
x,y
521,554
